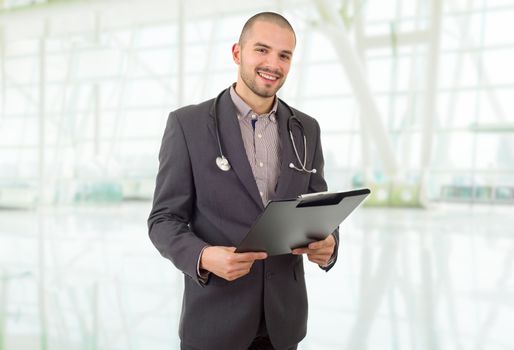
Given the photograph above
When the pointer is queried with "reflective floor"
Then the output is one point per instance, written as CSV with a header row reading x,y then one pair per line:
x,y
88,278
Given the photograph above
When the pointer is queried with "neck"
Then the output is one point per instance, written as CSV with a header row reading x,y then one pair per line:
x,y
258,104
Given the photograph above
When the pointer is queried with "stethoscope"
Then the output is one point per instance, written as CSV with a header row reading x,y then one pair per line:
x,y
223,163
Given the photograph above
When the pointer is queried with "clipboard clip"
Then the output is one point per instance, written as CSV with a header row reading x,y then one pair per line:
x,y
311,195
319,199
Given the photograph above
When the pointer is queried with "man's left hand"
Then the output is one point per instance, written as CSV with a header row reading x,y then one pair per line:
x,y
319,252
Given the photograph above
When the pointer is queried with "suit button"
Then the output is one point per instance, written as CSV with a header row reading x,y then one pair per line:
x,y
268,275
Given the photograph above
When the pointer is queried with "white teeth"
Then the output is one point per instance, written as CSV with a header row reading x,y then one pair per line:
x,y
269,77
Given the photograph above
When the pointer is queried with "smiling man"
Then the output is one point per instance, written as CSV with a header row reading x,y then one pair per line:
x,y
221,161
264,60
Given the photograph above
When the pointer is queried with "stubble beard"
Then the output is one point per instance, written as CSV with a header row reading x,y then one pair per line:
x,y
250,81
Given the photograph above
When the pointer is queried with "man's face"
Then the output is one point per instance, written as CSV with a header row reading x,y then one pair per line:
x,y
265,58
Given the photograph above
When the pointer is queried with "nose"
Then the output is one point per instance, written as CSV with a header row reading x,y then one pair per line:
x,y
273,63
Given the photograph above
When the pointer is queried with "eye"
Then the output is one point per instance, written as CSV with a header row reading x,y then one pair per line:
x,y
261,49
285,57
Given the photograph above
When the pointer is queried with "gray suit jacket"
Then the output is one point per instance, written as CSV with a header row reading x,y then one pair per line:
x,y
196,204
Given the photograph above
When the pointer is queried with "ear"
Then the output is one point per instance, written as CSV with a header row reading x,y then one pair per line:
x,y
236,53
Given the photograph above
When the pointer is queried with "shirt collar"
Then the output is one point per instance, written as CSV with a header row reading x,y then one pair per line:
x,y
244,111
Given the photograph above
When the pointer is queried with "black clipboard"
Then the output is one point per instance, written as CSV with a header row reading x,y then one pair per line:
x,y
294,223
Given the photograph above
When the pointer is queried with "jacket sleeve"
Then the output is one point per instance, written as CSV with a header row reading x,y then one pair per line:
x,y
317,183
174,197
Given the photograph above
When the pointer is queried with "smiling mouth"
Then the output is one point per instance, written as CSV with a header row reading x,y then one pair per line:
x,y
268,76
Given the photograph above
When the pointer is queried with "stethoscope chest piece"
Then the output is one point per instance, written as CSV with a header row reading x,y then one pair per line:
x,y
223,163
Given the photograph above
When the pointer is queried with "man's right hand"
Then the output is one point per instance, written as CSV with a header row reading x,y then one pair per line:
x,y
223,262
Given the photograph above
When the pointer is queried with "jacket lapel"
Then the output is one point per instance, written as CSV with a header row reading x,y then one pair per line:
x,y
232,144
288,154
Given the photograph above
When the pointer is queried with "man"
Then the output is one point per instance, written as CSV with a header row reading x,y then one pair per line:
x,y
202,209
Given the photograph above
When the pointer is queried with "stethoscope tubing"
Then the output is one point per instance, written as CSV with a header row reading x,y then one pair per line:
x,y
223,163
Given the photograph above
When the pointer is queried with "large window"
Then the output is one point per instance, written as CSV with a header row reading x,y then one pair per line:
x,y
83,110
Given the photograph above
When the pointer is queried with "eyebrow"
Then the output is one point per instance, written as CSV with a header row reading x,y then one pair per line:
x,y
289,52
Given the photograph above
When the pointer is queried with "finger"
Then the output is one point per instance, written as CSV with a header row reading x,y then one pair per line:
x,y
321,251
313,258
240,266
236,263
327,242
323,254
236,258
317,260
245,265
251,256
236,275
319,256
317,245
235,270
299,251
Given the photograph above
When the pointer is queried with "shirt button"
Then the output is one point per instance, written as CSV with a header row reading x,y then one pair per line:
x,y
261,164
259,135
269,275
254,116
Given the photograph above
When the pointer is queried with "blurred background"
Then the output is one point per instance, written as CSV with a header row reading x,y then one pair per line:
x,y
415,99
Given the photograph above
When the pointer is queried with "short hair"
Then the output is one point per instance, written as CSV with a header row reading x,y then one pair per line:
x,y
271,17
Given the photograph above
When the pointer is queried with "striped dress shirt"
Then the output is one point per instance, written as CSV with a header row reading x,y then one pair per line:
x,y
262,144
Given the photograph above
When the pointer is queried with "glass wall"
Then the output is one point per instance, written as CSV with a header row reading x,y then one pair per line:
x,y
83,110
